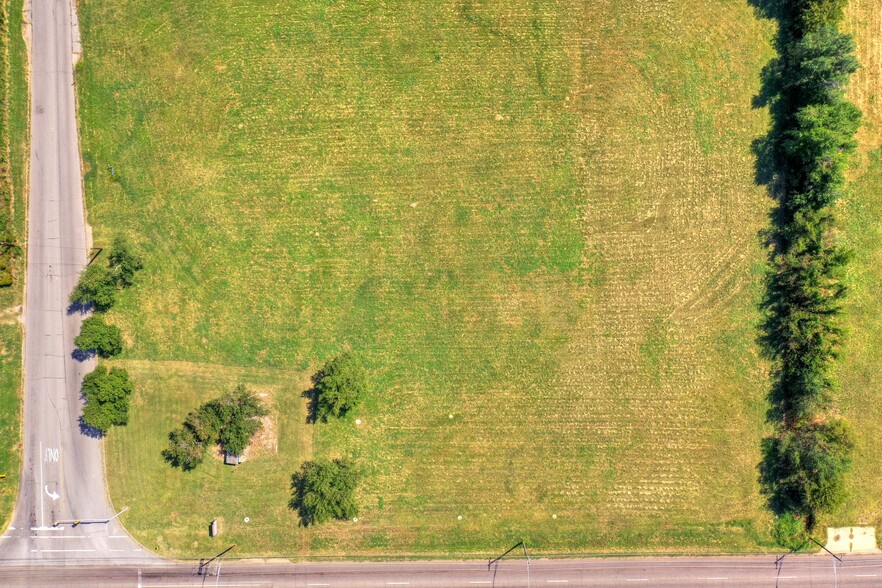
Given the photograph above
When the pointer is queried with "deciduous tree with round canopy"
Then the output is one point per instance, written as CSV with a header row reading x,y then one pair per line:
x,y
340,386
324,489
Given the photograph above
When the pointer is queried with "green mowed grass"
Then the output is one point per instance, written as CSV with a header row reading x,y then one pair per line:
x,y
860,375
256,489
16,128
536,221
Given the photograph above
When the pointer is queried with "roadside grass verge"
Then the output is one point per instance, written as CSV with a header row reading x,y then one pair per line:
x,y
536,223
15,129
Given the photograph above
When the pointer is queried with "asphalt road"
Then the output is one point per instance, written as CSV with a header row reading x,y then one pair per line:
x,y
747,572
63,473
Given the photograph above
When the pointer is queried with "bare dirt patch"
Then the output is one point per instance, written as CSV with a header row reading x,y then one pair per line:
x,y
266,440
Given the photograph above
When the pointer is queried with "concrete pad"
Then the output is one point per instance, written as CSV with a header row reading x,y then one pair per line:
x,y
842,540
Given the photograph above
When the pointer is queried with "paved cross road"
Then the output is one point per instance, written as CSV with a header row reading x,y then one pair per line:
x,y
63,476
722,572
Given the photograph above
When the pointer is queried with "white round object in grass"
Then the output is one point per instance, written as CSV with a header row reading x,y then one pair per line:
x,y
459,518
554,516
357,421
247,519
355,519
450,416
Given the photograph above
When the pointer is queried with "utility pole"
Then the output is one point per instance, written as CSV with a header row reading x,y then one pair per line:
x,y
203,564
92,257
836,560
522,544
75,522
779,562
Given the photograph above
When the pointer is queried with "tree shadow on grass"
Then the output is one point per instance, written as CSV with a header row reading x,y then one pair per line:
x,y
769,9
769,171
298,482
311,396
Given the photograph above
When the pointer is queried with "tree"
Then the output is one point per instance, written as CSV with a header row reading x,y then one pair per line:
x,y
340,386
803,470
819,65
811,15
96,287
107,398
325,489
203,425
124,261
820,143
805,462
184,450
104,338
237,413
230,420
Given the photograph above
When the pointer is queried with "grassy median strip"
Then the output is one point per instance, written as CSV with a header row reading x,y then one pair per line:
x,y
14,145
535,222
860,396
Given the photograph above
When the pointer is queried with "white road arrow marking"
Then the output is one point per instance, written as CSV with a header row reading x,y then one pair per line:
x,y
51,495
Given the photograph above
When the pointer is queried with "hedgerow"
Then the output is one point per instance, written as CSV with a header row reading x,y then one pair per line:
x,y
806,460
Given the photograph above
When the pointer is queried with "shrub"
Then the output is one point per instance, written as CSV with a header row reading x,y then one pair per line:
x,y
5,269
789,532
324,490
340,386
124,261
107,398
104,338
95,287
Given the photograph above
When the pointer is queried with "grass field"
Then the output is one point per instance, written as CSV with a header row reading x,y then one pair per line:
x,y
860,373
537,221
15,128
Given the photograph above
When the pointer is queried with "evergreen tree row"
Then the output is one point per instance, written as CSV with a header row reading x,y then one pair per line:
x,y
806,460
